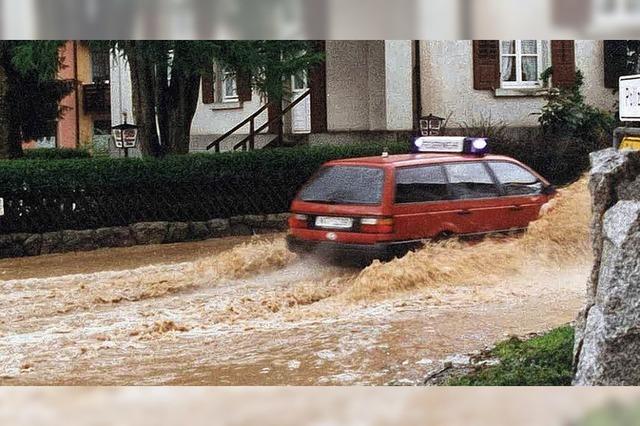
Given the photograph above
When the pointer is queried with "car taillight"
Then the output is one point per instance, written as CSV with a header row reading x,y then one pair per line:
x,y
376,225
298,220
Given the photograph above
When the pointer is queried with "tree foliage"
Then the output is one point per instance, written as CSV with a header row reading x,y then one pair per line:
x,y
29,92
269,62
166,75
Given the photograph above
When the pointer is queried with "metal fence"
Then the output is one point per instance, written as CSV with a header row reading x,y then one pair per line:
x,y
56,207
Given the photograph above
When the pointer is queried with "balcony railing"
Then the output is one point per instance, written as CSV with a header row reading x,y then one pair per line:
x,y
96,98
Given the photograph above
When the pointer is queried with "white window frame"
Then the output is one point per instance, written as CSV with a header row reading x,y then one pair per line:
x,y
305,80
228,97
518,58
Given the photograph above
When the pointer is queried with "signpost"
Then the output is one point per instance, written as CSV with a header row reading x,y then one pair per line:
x,y
629,102
630,98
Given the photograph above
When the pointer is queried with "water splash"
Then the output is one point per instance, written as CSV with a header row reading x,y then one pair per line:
x,y
245,259
560,237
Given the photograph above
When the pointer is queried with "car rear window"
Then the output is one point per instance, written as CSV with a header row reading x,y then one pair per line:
x,y
470,180
345,185
420,184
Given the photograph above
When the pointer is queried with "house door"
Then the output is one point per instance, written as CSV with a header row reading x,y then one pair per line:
x,y
301,113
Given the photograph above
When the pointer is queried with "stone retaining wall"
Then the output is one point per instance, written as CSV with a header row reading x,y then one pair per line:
x,y
607,348
17,245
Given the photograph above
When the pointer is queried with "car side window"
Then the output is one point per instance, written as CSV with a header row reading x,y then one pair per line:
x,y
470,180
420,184
515,180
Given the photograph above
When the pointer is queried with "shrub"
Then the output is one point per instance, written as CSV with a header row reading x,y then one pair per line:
x,y
560,159
52,195
559,148
55,153
541,361
567,114
571,129
484,126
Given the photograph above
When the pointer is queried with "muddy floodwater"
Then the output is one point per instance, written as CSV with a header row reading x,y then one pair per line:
x,y
245,311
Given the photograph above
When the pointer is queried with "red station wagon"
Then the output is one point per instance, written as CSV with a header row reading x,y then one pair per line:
x,y
381,207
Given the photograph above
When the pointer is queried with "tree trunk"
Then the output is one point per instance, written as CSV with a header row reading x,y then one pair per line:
x,y
5,147
162,104
275,95
182,105
144,97
10,143
174,99
274,111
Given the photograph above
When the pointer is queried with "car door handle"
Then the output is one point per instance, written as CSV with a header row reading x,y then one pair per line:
x,y
516,208
463,212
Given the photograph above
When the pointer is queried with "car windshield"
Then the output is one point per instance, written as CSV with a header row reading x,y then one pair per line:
x,y
345,185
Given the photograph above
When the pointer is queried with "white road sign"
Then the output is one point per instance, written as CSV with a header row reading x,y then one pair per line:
x,y
630,98
1,206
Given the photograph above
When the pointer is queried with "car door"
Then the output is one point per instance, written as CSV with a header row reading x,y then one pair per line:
x,y
421,208
522,193
474,193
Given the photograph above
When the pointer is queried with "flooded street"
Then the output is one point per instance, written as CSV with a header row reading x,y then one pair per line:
x,y
111,259
248,312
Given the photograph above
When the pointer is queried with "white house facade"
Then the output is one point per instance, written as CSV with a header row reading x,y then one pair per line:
x,y
378,90
363,89
514,98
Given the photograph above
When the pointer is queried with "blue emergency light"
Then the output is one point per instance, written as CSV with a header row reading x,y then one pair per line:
x,y
452,144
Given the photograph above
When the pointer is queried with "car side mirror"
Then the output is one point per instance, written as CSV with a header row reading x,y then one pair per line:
x,y
549,190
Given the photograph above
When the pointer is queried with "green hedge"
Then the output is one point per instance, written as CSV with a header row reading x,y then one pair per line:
x,y
85,193
55,154
51,195
561,160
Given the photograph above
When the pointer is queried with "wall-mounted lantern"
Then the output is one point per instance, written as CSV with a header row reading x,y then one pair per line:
x,y
431,125
125,135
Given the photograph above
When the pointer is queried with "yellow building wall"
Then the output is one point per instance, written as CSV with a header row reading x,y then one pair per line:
x,y
84,77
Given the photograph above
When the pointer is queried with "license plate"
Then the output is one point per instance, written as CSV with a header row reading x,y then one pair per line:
x,y
334,222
